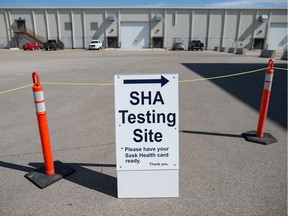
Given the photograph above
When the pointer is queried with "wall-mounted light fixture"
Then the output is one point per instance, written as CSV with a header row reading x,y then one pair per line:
x,y
158,17
111,18
263,18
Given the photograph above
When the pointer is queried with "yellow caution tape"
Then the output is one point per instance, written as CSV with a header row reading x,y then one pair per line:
x,y
280,68
224,76
77,84
109,84
14,89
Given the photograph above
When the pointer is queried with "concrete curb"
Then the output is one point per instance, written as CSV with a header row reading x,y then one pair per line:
x,y
241,51
268,54
223,49
284,56
231,50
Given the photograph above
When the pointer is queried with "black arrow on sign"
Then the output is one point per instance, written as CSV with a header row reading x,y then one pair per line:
x,y
161,81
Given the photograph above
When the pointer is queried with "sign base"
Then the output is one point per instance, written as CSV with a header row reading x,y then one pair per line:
x,y
148,183
41,180
266,140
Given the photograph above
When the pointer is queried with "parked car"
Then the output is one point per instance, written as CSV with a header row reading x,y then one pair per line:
x,y
30,46
195,44
178,46
53,44
95,44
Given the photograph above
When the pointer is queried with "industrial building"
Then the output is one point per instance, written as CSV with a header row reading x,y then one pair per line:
x,y
137,28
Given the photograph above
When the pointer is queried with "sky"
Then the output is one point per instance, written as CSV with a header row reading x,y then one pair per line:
x,y
147,3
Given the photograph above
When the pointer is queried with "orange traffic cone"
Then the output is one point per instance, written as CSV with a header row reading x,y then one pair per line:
x,y
259,136
52,172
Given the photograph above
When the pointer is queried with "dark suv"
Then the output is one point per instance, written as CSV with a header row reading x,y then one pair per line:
x,y
53,44
195,44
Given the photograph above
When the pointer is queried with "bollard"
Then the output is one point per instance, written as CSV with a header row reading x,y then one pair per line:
x,y
265,99
52,171
259,136
42,124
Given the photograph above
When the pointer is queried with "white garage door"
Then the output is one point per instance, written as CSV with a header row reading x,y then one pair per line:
x,y
278,36
135,35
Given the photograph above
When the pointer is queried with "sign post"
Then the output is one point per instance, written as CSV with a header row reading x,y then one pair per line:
x,y
147,135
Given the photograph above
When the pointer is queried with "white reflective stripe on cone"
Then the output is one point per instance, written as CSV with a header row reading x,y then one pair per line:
x,y
269,77
39,96
40,107
267,85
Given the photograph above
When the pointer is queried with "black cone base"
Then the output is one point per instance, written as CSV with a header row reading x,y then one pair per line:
x,y
266,140
41,180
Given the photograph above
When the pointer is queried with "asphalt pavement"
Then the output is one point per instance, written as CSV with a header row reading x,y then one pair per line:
x,y
220,172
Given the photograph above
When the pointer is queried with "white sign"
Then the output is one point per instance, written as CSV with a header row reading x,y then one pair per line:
x,y
147,125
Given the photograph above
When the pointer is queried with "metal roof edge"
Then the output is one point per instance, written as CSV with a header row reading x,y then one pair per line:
x,y
131,8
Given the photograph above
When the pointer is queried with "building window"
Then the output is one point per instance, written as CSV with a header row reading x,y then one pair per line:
x,y
94,26
68,26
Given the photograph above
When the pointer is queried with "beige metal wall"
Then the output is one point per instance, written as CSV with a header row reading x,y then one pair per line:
x,y
215,27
